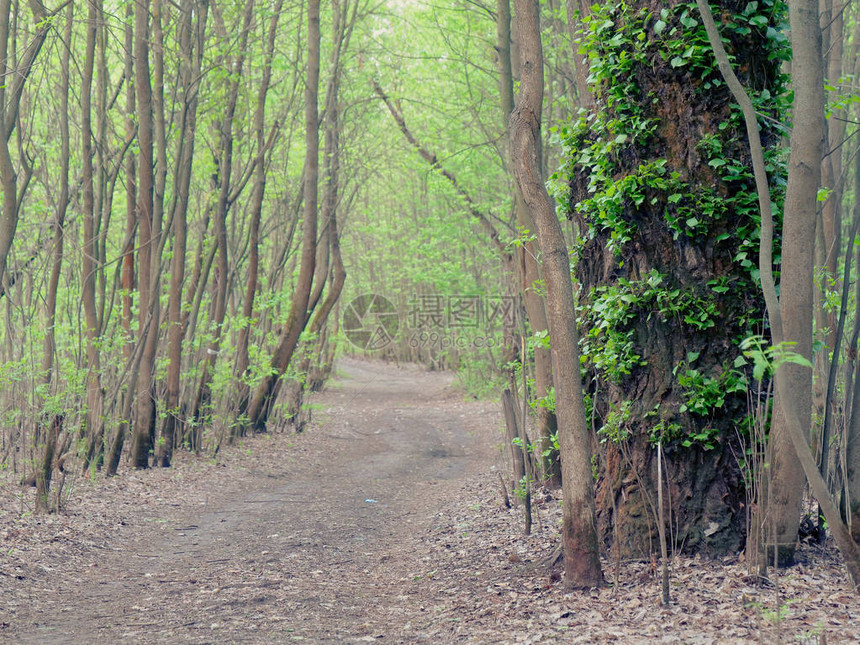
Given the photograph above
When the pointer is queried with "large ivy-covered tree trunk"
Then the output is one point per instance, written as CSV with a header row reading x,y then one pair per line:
x,y
661,184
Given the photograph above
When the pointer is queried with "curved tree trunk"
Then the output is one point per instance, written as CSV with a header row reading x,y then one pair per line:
x,y
527,265
579,535
266,393
11,91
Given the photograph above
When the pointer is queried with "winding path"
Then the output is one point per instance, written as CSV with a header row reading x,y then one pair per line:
x,y
319,550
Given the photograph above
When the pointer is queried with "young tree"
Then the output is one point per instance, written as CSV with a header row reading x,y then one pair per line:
x,y
192,37
144,419
226,189
264,397
51,425
579,532
11,92
527,264
94,428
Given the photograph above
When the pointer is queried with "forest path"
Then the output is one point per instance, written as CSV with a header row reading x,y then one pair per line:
x,y
381,523
316,546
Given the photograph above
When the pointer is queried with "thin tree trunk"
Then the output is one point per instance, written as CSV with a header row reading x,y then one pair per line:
x,y
258,193
144,418
225,172
579,531
11,90
852,444
191,41
51,424
94,424
528,267
127,270
330,268
266,393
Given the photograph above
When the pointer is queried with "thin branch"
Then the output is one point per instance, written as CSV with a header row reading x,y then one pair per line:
x,y
431,159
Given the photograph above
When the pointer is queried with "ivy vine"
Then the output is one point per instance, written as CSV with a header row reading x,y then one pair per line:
x,y
617,164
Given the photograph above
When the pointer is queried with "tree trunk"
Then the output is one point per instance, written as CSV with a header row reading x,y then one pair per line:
x,y
203,398
579,535
94,423
330,269
52,423
666,205
191,38
796,277
144,418
11,91
528,266
266,393
127,269
257,195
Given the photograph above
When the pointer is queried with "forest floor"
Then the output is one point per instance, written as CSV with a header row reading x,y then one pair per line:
x,y
382,522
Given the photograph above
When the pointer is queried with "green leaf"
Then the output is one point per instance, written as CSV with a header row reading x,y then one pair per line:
x,y
659,26
677,62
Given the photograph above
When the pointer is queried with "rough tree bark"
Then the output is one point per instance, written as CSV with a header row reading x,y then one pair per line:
x,y
579,533
667,230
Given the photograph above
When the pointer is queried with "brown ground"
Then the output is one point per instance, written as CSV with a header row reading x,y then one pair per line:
x,y
381,523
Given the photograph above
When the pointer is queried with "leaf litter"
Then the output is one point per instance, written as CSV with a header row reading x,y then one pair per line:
x,y
275,542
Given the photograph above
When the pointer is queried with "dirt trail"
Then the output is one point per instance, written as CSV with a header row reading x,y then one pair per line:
x,y
381,523
314,546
